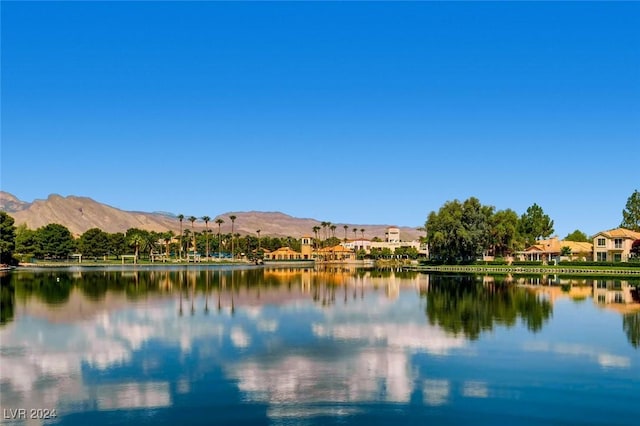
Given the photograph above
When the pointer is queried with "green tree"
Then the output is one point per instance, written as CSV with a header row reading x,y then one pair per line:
x,y
180,218
117,244
233,248
219,221
577,236
26,243
94,243
55,241
631,212
459,232
535,224
136,238
565,251
206,220
7,238
504,232
192,219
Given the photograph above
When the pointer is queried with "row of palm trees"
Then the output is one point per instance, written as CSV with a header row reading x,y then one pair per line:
x,y
206,219
325,226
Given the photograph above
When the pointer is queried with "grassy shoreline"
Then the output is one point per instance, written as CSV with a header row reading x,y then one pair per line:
x,y
529,269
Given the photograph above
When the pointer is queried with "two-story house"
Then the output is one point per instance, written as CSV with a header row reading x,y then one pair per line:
x,y
614,245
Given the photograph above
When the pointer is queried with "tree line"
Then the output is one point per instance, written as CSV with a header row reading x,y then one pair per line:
x,y
463,231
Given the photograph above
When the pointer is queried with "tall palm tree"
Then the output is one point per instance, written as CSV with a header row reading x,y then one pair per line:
x,y
180,218
333,230
258,232
219,221
168,236
206,220
233,220
324,228
136,239
192,219
345,232
362,231
316,229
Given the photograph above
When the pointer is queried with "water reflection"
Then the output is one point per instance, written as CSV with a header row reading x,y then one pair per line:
x,y
469,306
286,344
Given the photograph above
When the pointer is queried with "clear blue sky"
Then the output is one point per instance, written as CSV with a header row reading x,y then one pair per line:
x,y
345,112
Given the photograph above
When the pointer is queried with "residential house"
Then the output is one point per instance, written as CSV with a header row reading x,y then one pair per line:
x,y
614,245
547,250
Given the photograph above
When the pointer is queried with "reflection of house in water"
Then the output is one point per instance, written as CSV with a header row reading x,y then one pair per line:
x,y
616,292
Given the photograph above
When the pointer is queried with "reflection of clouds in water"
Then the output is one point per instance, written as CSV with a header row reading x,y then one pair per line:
x,y
240,338
369,375
475,390
416,337
604,359
133,395
41,363
270,326
435,392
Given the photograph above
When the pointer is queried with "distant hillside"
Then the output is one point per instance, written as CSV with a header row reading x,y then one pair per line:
x,y
81,213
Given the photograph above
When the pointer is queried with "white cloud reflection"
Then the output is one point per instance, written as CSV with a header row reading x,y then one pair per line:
x,y
604,359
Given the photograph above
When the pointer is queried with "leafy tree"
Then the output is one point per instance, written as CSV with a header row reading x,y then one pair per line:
x,y
94,243
504,232
631,212
459,231
635,249
55,240
577,236
26,242
7,238
535,224
117,244
565,251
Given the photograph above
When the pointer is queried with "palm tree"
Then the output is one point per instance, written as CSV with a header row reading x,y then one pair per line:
x,y
180,218
206,225
219,221
316,229
136,239
345,232
233,220
168,236
258,232
333,230
193,219
324,228
362,231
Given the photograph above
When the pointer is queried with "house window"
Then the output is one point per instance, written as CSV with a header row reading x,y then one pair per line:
x,y
601,284
602,298
601,242
601,256
617,257
617,243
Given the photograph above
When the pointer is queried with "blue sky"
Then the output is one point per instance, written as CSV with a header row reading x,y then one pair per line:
x,y
346,112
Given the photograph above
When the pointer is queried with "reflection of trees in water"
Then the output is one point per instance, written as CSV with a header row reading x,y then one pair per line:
x,y
7,298
52,287
631,327
464,305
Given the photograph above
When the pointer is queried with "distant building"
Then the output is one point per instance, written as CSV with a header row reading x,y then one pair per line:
x,y
392,242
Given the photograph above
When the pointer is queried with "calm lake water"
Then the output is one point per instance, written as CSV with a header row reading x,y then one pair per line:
x,y
256,346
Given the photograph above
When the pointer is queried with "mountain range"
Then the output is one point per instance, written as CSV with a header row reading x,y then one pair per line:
x,y
80,214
